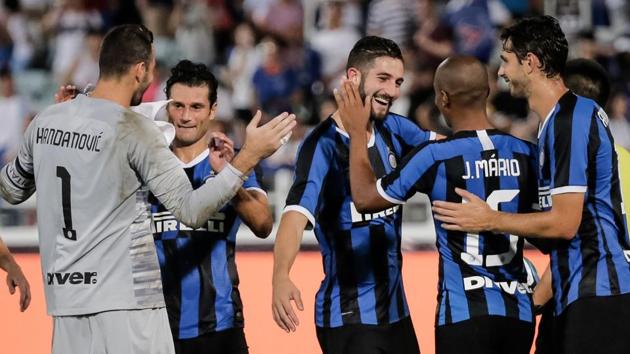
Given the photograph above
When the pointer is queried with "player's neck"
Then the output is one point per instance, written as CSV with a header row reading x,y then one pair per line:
x,y
470,120
545,94
187,153
113,90
337,119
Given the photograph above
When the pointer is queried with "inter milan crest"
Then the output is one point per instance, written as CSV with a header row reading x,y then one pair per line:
x,y
392,159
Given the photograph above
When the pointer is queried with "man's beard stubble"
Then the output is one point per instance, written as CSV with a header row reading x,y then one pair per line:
x,y
363,95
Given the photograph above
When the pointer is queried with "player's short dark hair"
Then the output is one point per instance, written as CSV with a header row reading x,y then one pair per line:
x,y
587,78
367,49
193,75
123,47
541,36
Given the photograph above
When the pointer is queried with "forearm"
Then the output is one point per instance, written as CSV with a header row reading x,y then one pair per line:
x,y
245,161
286,247
6,258
543,292
195,207
15,187
362,179
252,208
547,224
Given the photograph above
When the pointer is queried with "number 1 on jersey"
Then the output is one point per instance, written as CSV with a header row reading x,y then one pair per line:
x,y
68,231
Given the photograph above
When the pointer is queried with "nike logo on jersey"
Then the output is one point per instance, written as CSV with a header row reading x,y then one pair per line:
x,y
492,168
74,278
510,287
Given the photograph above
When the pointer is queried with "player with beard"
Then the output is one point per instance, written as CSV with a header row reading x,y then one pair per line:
x,y
579,194
484,293
87,158
360,306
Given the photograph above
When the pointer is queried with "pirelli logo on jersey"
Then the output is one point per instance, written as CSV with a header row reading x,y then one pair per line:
x,y
358,217
73,278
165,221
544,197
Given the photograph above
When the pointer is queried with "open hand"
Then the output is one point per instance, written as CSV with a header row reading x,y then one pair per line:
x,y
16,279
472,215
353,111
283,313
221,150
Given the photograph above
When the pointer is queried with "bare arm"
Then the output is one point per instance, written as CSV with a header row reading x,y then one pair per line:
x,y
543,292
561,222
354,114
285,250
15,277
253,208
158,167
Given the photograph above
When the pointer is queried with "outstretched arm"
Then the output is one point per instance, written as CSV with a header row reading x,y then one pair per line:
x,y
561,222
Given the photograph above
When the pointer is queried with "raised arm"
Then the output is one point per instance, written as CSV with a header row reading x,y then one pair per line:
x,y
354,114
17,181
561,222
159,168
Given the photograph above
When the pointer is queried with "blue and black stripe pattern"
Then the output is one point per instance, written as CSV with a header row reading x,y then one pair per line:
x,y
361,252
576,154
198,267
479,274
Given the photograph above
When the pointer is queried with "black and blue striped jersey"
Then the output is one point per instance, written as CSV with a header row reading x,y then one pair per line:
x,y
576,154
361,252
199,273
479,274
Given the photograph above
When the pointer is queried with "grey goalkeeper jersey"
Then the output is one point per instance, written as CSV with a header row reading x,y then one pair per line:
x,y
89,159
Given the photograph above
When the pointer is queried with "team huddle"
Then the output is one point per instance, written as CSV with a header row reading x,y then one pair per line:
x,y
139,231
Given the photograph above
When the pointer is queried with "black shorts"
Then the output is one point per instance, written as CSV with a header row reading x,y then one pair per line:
x,y
485,335
229,341
545,339
595,325
395,338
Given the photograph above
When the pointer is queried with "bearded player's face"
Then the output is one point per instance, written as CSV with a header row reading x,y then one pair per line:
x,y
382,80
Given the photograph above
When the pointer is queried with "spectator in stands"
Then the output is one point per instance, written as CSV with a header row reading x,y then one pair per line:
x,y
84,68
619,125
193,33
18,29
333,42
283,19
243,60
70,22
392,19
14,118
275,84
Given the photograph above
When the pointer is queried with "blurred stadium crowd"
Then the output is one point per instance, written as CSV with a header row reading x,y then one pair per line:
x,y
280,55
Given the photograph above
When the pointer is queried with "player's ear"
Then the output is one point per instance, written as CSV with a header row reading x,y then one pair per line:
x,y
444,99
354,75
213,110
531,62
139,71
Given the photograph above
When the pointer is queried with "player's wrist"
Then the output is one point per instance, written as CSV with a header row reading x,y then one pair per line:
x,y
245,160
